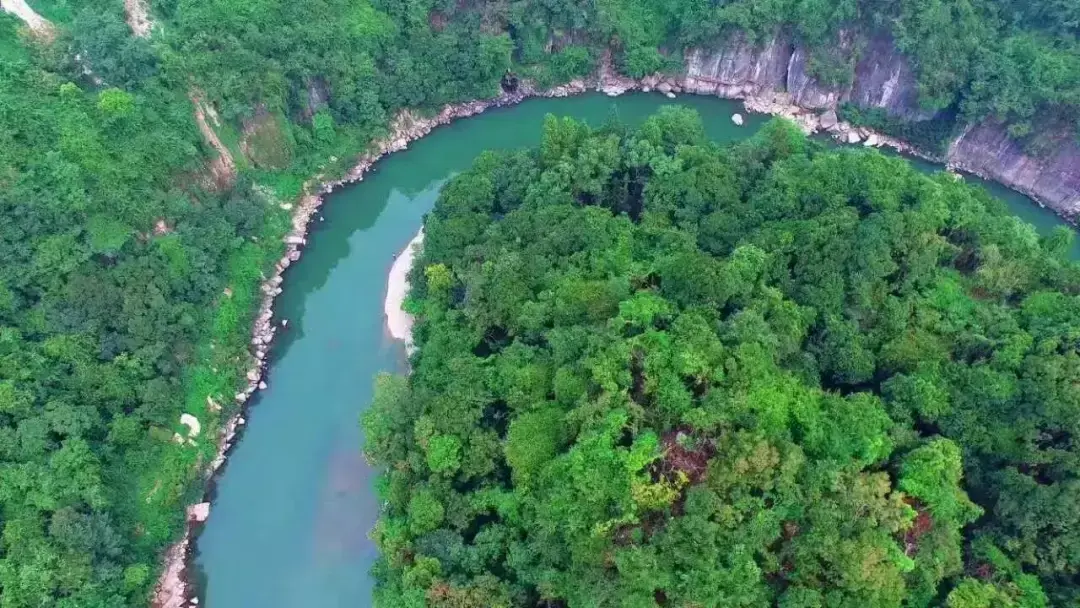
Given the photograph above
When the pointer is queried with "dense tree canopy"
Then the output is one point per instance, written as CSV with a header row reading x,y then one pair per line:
x,y
130,278
657,372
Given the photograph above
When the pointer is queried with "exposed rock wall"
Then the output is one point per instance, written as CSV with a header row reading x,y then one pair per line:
x,y
738,69
805,90
884,79
777,73
1054,179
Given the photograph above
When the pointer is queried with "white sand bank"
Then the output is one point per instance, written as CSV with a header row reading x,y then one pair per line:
x,y
398,321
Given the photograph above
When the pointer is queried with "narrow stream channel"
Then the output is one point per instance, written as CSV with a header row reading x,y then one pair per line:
x,y
289,523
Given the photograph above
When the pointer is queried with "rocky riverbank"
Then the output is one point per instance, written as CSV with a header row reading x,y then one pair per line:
x,y
775,77
758,75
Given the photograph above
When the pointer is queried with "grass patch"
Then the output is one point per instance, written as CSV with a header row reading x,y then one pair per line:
x,y
268,142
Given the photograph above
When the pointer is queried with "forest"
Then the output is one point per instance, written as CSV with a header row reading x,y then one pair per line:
x,y
131,270
652,371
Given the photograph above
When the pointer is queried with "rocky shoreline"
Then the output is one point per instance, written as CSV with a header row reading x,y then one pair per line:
x,y
173,589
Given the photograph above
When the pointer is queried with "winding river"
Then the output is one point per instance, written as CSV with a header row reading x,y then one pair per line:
x,y
294,504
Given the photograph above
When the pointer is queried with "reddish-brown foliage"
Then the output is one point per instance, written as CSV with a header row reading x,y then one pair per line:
x,y
923,523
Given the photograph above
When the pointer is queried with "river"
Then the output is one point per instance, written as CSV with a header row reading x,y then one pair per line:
x,y
293,506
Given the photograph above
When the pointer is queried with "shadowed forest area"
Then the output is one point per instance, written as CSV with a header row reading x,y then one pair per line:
x,y
133,248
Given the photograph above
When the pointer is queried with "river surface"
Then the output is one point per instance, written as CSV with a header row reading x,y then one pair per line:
x,y
295,502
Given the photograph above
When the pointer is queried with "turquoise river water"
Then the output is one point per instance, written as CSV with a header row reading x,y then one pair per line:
x,y
295,502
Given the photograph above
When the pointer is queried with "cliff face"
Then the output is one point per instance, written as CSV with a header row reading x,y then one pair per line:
x,y
1053,179
882,78
738,69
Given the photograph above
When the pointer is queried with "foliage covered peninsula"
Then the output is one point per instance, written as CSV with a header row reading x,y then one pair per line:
x,y
656,372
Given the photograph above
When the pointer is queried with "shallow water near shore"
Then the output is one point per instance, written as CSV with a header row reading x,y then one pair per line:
x,y
295,502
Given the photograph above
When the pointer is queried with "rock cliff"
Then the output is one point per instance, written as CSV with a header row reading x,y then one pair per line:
x,y
1053,178
778,71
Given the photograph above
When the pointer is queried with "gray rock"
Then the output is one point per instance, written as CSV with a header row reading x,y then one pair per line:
x,y
828,120
198,513
738,68
884,79
1053,178
805,90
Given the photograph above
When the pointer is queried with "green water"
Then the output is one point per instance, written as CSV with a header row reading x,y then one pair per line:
x,y
293,507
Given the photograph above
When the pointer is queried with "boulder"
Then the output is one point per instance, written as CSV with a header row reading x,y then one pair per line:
x,y
198,513
192,423
829,120
737,119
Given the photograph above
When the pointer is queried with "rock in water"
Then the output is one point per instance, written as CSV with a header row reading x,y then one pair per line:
x,y
737,119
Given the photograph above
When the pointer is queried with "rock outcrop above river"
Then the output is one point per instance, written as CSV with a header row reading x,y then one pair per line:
x,y
1053,179
882,77
774,77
